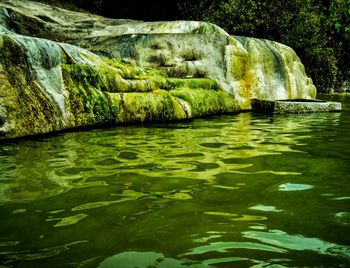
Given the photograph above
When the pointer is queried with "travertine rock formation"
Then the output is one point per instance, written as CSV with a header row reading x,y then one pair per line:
x,y
61,69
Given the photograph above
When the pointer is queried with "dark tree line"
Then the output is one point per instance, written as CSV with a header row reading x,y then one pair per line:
x,y
319,30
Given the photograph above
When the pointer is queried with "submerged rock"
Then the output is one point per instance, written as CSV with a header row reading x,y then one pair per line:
x,y
61,69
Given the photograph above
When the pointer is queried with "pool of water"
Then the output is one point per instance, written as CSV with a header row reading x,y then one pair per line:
x,y
243,190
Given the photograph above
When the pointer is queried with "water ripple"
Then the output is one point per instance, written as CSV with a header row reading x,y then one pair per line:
x,y
160,190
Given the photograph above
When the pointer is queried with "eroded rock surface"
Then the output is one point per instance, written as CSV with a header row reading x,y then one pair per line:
x,y
61,69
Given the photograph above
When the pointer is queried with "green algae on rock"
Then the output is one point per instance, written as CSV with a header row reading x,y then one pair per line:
x,y
48,86
86,70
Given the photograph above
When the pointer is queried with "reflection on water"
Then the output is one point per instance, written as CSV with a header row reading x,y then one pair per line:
x,y
249,190
298,242
294,187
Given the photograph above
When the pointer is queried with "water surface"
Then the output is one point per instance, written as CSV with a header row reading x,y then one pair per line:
x,y
243,190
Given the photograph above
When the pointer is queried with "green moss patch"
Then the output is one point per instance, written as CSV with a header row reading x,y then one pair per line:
x,y
206,102
192,83
158,105
88,104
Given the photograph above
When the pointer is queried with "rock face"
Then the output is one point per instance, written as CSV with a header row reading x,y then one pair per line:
x,y
61,69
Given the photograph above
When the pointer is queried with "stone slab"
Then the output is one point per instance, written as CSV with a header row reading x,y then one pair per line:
x,y
295,106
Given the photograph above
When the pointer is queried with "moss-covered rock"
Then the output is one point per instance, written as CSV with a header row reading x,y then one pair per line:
x,y
61,69
26,108
47,86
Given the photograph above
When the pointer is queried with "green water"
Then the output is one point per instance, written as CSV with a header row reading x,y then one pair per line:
x,y
243,190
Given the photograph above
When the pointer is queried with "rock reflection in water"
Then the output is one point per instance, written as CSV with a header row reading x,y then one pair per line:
x,y
39,168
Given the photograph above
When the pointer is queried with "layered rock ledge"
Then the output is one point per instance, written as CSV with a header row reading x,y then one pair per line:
x,y
61,69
